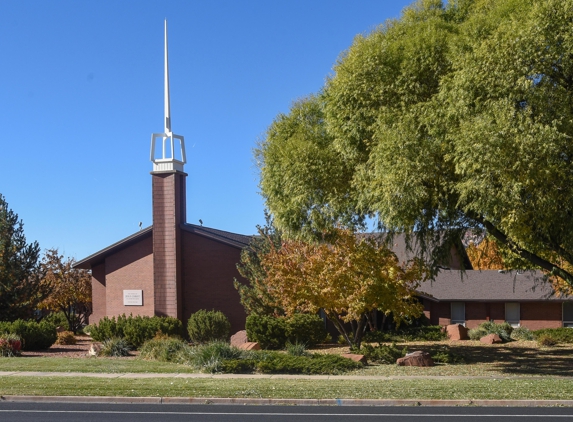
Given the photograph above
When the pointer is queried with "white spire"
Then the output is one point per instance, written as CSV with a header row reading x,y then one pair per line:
x,y
172,154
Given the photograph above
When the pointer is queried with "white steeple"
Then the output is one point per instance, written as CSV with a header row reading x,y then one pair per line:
x,y
172,154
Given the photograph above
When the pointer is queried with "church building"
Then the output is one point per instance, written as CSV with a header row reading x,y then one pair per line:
x,y
172,268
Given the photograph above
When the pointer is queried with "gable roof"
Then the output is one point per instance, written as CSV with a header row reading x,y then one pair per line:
x,y
232,239
489,286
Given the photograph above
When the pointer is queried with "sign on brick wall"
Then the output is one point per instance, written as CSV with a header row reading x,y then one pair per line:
x,y
133,297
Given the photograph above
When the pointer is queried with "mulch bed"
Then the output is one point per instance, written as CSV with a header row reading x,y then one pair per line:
x,y
78,350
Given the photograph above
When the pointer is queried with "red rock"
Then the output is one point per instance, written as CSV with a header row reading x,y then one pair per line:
x,y
354,357
417,358
240,337
457,332
250,345
491,339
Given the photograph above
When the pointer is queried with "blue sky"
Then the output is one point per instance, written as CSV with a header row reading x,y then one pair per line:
x,y
81,91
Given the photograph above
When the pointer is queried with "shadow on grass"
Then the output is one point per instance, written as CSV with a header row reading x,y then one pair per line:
x,y
512,359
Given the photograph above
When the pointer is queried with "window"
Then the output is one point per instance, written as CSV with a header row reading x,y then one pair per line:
x,y
512,315
458,313
568,314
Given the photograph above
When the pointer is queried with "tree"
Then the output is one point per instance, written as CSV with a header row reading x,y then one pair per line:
x,y
452,118
256,297
71,289
20,274
347,278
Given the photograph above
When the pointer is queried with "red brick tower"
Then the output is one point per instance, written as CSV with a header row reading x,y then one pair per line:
x,y
169,212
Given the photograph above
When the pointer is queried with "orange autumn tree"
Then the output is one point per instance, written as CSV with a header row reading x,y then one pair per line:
x,y
485,255
71,289
348,279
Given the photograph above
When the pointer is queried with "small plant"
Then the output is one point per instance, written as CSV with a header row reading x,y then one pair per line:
x,y
66,338
163,349
546,341
383,354
296,349
319,364
208,326
522,333
10,345
115,347
444,355
560,335
209,357
503,330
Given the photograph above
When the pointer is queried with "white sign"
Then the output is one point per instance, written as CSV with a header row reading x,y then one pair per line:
x,y
133,297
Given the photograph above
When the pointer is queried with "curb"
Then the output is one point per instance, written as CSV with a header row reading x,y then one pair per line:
x,y
290,402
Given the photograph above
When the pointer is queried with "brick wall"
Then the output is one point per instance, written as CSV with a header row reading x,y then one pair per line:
x,y
98,293
537,315
208,271
131,268
168,212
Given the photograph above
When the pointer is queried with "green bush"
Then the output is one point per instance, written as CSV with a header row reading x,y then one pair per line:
x,y
444,355
305,328
383,354
210,357
58,319
135,330
406,334
522,333
66,338
503,330
274,333
115,347
208,326
10,345
34,335
315,364
163,349
269,332
561,335
547,341
296,349
238,366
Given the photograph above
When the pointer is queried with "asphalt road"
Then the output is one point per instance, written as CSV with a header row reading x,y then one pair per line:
x,y
67,412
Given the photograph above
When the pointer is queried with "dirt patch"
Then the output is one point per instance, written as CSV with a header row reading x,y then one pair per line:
x,y
78,350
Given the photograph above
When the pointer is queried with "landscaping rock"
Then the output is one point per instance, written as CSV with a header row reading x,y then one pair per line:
x,y
417,358
354,357
94,350
457,332
240,337
491,339
250,345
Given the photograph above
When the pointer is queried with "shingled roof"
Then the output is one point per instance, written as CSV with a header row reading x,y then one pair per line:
x,y
233,239
489,286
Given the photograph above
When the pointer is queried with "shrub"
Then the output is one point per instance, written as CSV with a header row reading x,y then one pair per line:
x,y
326,364
444,355
163,349
546,340
305,328
296,349
382,353
503,330
269,332
136,330
561,335
115,347
58,319
423,333
238,366
209,357
34,335
273,333
10,345
208,326
522,333
66,337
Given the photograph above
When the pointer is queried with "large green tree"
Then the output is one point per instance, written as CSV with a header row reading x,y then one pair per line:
x,y
21,288
452,118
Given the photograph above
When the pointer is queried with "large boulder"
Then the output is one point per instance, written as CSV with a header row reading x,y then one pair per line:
x,y
417,358
240,337
457,332
491,339
250,346
355,357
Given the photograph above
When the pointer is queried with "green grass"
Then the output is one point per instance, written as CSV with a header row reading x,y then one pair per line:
x,y
421,389
100,365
